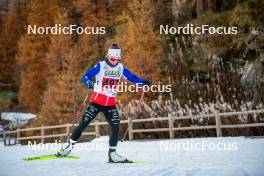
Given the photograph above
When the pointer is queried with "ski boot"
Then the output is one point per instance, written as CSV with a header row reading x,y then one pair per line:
x,y
116,158
67,149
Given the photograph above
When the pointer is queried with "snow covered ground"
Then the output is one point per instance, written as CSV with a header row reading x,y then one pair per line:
x,y
200,156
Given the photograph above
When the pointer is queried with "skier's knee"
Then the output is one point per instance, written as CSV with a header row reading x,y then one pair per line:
x,y
90,113
115,117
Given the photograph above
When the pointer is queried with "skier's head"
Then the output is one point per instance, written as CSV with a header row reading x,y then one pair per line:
x,y
114,54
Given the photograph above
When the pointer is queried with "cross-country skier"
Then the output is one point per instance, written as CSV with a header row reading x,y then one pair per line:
x,y
108,74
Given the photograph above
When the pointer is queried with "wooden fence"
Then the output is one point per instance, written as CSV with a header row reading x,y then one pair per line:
x,y
170,119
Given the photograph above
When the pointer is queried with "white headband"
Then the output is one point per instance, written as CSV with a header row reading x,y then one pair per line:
x,y
114,52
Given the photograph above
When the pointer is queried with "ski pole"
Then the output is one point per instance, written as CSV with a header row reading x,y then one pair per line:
x,y
90,86
130,120
129,124
77,117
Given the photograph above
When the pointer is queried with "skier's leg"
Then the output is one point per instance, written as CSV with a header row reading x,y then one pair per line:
x,y
112,118
88,116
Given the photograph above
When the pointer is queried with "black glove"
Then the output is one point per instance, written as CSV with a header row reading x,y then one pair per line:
x,y
91,84
147,82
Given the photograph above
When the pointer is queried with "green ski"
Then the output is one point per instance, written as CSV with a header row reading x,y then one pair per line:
x,y
141,162
134,162
44,157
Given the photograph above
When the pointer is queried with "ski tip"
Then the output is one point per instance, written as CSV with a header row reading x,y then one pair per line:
x,y
54,156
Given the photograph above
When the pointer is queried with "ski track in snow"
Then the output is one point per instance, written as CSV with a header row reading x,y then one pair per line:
x,y
247,160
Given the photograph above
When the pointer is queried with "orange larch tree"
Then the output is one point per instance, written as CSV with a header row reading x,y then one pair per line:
x,y
63,83
13,28
140,45
31,57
